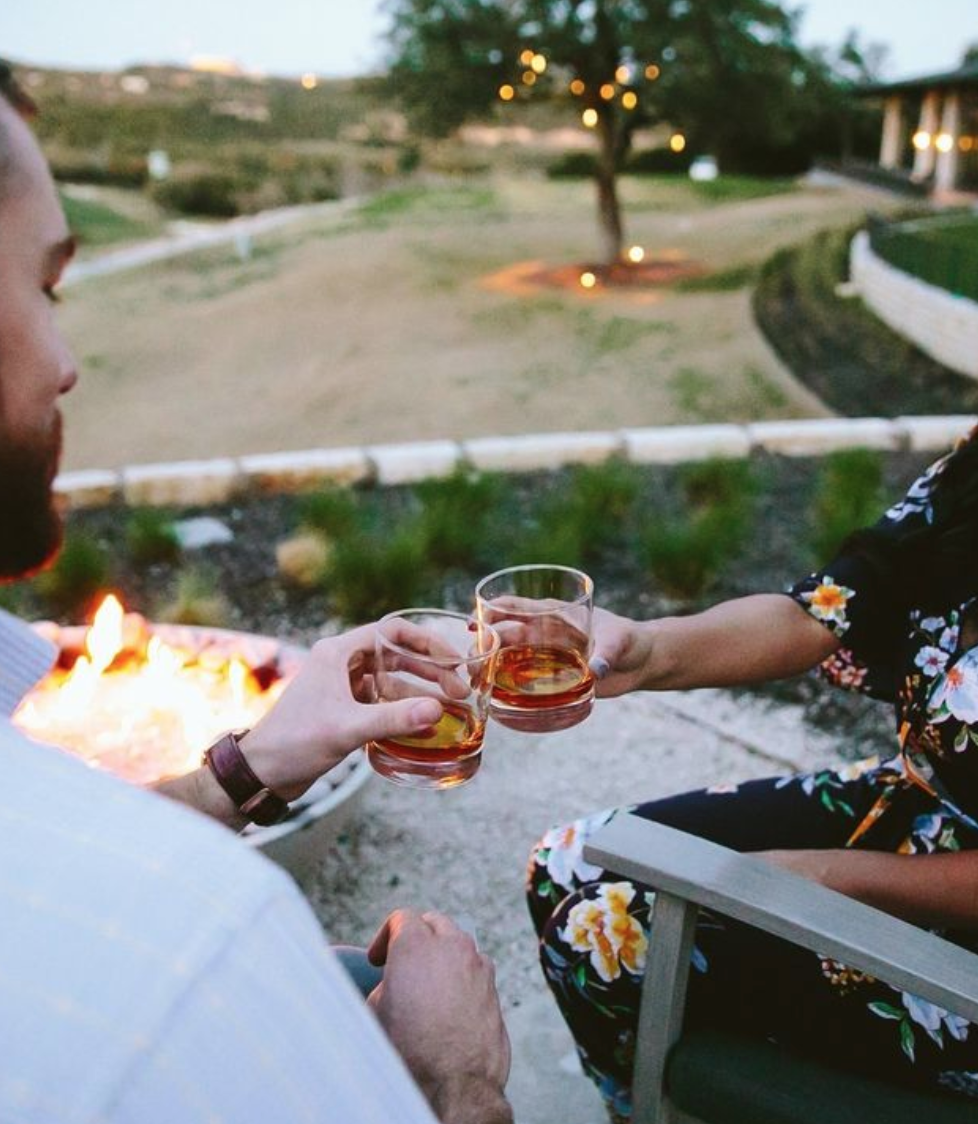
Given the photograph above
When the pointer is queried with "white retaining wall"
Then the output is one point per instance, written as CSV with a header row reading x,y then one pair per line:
x,y
939,323
201,483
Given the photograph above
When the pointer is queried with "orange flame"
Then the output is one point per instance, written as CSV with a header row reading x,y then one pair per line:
x,y
147,715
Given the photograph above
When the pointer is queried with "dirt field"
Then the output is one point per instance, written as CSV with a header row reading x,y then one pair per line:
x,y
388,327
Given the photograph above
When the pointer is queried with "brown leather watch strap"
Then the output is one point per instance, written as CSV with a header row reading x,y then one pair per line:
x,y
253,799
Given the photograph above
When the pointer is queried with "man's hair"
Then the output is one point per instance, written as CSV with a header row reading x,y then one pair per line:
x,y
13,93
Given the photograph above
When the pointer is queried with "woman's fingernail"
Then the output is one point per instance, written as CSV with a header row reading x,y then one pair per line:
x,y
599,666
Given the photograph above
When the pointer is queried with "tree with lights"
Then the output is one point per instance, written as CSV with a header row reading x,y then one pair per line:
x,y
720,72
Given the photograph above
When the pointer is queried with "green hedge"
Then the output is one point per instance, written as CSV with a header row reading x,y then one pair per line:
x,y
941,251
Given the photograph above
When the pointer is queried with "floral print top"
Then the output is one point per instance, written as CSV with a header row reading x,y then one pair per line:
x,y
911,655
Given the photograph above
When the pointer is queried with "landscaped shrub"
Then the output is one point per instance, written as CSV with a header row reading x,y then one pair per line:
x,y
373,571
658,161
79,574
151,537
456,517
573,166
330,510
211,194
197,600
849,495
686,551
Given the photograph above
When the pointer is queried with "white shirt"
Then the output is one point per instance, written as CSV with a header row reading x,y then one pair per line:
x,y
155,970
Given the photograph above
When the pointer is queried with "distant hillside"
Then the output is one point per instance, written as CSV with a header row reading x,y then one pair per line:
x,y
154,106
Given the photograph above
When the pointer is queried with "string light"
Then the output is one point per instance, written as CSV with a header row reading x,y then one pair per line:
x,y
577,87
538,63
506,92
636,254
652,72
629,99
589,118
588,280
607,91
677,142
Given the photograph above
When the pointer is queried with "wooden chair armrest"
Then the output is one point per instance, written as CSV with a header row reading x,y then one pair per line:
x,y
769,898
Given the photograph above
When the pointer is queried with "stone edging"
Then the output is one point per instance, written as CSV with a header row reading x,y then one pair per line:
x,y
941,324
203,483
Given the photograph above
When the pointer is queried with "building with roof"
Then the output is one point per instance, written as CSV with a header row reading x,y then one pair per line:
x,y
930,130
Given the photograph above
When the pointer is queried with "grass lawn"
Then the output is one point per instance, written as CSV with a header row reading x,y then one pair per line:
x,y
97,224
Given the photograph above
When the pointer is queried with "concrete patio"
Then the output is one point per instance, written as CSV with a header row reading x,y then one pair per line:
x,y
464,851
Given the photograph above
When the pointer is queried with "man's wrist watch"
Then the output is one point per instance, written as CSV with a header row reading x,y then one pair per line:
x,y
253,799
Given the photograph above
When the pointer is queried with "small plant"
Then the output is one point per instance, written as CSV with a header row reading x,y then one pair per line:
x,y
372,572
848,495
78,575
197,601
574,527
685,553
455,516
718,481
303,559
151,537
605,495
333,511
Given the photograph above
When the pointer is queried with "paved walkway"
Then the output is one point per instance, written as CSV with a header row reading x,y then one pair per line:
x,y
188,237
464,851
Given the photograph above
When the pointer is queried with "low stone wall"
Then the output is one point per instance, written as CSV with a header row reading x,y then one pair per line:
x,y
939,323
202,483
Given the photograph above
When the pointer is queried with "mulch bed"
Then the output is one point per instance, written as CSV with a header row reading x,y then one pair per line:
x,y
245,570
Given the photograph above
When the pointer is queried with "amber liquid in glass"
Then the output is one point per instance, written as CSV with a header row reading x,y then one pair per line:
x,y
446,757
533,678
458,733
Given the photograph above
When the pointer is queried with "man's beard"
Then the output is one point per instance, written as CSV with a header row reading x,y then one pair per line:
x,y
30,526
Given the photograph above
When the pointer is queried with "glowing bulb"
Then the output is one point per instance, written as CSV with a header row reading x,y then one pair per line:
x,y
944,142
629,99
652,72
921,140
538,63
309,81
589,118
677,142
607,91
529,78
577,87
588,280
507,93
636,254
526,56
622,74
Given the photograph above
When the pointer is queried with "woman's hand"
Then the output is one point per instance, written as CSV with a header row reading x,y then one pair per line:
x,y
621,653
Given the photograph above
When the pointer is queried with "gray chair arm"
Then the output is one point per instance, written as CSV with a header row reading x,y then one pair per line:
x,y
688,872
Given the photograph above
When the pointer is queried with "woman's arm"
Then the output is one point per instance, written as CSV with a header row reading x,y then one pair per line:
x,y
939,890
747,640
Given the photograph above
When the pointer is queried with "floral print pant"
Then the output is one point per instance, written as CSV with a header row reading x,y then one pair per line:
x,y
594,933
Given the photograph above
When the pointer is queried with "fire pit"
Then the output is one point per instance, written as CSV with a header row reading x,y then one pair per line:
x,y
141,700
